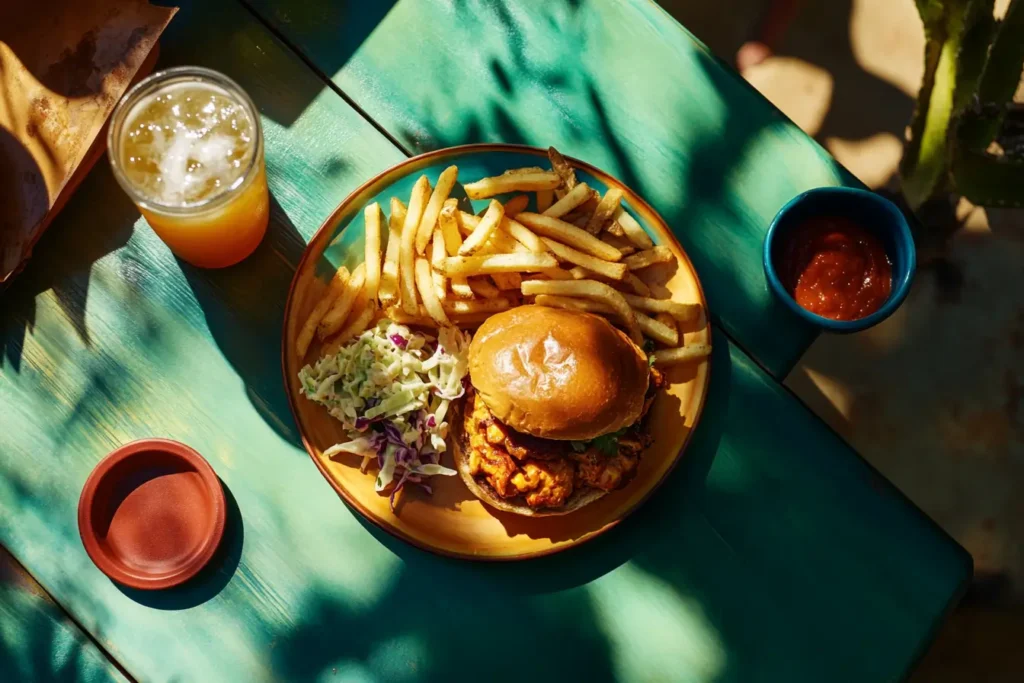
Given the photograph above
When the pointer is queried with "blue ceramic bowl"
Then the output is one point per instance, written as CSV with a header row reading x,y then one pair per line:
x,y
869,210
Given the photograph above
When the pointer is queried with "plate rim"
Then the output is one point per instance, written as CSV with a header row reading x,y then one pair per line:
x,y
636,201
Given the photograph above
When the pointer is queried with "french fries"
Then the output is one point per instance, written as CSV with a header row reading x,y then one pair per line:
x,y
518,180
407,254
523,234
588,289
565,171
612,271
681,312
569,234
485,228
648,257
545,199
577,250
334,289
682,354
631,229
388,289
335,317
437,254
371,218
482,287
517,204
655,329
638,286
570,201
604,210
497,263
445,183
425,283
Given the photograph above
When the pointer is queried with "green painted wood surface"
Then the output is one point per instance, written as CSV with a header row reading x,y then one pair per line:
x,y
617,83
772,553
38,642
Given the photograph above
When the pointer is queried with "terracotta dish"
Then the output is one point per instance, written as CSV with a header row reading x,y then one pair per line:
x,y
152,514
452,521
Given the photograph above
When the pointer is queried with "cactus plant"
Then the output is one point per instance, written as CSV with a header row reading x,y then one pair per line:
x,y
973,65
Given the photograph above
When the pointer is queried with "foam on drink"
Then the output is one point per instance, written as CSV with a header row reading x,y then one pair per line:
x,y
186,144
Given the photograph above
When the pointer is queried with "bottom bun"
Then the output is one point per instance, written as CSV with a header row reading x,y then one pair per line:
x,y
483,490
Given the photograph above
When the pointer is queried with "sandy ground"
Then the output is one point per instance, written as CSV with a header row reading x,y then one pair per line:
x,y
933,397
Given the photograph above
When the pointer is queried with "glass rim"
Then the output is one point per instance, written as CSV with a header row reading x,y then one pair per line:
x,y
148,85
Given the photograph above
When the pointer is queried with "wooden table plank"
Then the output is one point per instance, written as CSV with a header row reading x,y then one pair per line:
x,y
771,553
617,83
38,642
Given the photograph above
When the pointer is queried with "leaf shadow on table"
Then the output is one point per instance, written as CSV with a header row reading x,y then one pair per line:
x,y
244,310
212,578
465,619
63,260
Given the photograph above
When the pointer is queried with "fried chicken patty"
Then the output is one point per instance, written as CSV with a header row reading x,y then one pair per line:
x,y
545,471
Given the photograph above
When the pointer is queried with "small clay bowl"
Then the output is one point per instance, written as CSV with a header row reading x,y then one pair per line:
x,y
152,514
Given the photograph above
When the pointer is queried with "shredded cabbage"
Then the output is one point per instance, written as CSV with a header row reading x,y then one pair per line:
x,y
391,388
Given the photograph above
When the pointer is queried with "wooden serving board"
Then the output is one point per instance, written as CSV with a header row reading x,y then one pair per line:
x,y
451,520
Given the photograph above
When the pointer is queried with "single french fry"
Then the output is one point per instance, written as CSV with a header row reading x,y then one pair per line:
x,y
544,200
638,286
681,312
556,274
407,255
445,183
648,257
388,289
517,204
339,311
486,264
604,210
425,284
357,324
371,218
563,168
519,180
588,289
568,234
494,305
335,288
613,271
522,234
484,229
682,354
481,287
506,281
657,330
631,229
569,201
449,222
438,253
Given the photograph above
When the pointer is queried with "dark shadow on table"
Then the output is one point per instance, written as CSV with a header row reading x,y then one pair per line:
x,y
212,578
244,310
63,260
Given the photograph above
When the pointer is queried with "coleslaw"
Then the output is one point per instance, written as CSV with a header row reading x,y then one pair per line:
x,y
391,388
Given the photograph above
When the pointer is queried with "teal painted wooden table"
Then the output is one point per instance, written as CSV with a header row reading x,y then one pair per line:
x,y
772,553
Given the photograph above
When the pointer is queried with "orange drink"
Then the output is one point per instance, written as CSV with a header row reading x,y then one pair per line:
x,y
187,146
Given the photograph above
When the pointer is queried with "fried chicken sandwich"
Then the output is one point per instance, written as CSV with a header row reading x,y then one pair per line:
x,y
553,420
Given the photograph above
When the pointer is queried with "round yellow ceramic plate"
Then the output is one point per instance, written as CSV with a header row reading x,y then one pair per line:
x,y
452,521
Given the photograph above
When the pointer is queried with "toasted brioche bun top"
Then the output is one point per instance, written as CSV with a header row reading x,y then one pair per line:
x,y
558,374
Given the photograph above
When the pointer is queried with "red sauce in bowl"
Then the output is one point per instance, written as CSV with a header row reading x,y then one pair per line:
x,y
835,268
